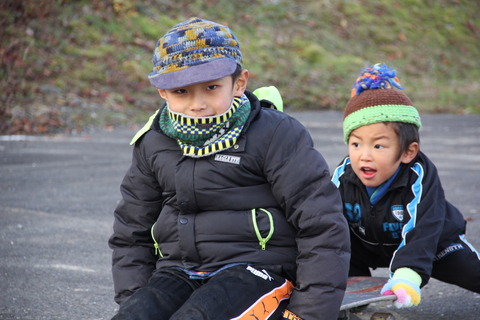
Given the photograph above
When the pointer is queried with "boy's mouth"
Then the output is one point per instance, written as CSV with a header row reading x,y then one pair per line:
x,y
368,172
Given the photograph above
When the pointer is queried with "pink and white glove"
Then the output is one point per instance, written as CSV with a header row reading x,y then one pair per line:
x,y
405,284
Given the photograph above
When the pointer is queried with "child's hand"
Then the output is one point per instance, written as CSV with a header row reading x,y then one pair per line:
x,y
405,284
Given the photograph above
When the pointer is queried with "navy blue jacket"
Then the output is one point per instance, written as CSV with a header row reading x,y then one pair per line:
x,y
409,224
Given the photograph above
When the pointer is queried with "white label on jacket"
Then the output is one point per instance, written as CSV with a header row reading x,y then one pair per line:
x,y
227,159
262,274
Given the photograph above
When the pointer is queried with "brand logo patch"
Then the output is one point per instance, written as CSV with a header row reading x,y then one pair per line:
x,y
287,314
262,274
397,212
227,159
452,248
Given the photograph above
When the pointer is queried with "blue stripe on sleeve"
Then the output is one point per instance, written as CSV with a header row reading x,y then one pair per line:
x,y
417,189
339,171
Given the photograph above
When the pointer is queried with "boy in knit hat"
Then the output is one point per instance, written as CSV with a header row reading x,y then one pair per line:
x,y
228,211
393,199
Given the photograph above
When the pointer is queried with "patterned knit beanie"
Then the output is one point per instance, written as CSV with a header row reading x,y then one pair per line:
x,y
194,51
374,99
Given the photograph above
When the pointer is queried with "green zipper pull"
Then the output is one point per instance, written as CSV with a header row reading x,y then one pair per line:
x,y
263,244
155,244
157,249
262,241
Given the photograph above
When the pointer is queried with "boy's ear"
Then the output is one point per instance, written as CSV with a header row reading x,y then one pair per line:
x,y
162,93
240,84
411,152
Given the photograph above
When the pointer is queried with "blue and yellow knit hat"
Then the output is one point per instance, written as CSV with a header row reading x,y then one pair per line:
x,y
374,99
194,51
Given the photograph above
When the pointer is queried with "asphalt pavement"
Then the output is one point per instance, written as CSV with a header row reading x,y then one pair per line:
x,y
57,195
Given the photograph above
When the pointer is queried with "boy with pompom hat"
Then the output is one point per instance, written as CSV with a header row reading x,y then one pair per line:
x,y
227,210
393,198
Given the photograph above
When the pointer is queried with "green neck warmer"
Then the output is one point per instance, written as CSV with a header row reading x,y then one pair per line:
x,y
203,136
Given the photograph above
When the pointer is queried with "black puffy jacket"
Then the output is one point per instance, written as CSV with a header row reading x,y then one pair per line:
x,y
266,200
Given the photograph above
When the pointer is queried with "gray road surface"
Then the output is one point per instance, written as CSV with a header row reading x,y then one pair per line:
x,y
58,193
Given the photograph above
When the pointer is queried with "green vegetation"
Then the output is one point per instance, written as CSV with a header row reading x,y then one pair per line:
x,y
69,64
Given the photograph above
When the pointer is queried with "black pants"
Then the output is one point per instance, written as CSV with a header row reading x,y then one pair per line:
x,y
239,292
459,264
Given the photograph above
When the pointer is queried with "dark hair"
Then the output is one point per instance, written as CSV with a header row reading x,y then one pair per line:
x,y
236,73
407,133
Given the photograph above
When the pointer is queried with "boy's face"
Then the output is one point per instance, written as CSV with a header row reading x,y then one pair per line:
x,y
373,151
205,99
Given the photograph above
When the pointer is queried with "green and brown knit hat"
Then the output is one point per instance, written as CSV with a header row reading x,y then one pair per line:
x,y
374,99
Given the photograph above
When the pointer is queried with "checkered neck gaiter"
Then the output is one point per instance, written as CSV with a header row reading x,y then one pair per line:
x,y
203,136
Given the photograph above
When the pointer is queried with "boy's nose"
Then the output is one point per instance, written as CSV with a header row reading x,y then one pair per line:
x,y
198,104
365,154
